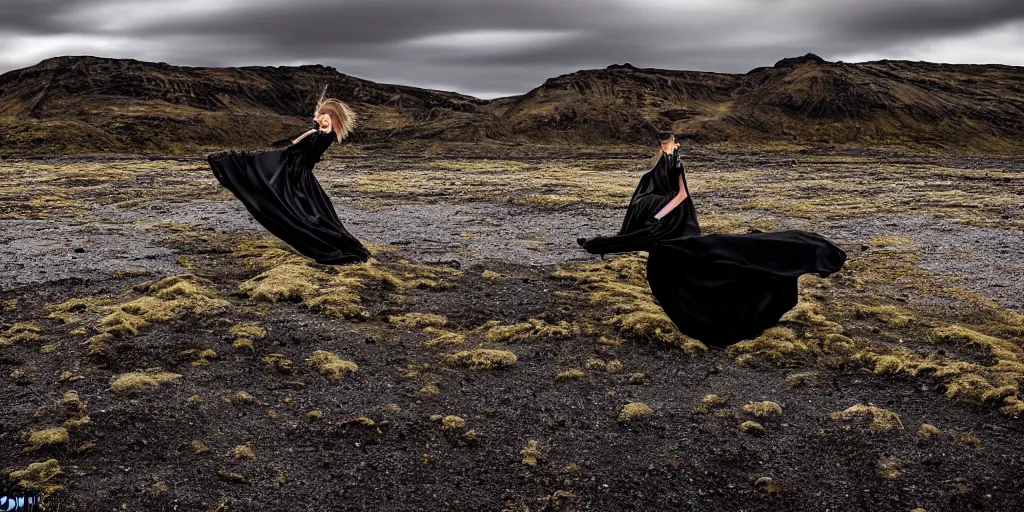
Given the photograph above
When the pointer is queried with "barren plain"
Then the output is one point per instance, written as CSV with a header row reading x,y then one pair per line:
x,y
159,351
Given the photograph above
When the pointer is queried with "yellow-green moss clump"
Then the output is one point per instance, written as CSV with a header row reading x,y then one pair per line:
x,y
635,411
360,421
288,282
279,363
340,299
243,452
491,275
614,366
162,300
139,381
268,253
22,331
752,428
890,364
418,320
452,423
882,420
1001,349
481,359
531,454
70,405
778,345
203,357
806,312
891,315
443,337
239,398
25,327
710,402
71,311
77,423
199,447
495,332
47,437
968,440
620,290
768,485
330,365
430,390
927,431
245,334
763,409
970,387
334,291
804,337
900,360
70,409
179,294
999,394
38,476
570,374
1013,406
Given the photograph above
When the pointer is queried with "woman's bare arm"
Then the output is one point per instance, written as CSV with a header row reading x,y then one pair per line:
x,y
303,136
675,202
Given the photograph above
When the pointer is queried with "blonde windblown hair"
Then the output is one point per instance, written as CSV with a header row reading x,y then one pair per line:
x,y
343,120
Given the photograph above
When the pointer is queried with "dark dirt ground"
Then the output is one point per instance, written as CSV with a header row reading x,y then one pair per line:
x,y
957,265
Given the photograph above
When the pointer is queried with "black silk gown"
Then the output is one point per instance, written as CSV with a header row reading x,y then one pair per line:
x,y
719,289
279,190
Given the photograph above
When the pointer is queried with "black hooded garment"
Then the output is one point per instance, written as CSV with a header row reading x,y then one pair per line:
x,y
719,289
279,190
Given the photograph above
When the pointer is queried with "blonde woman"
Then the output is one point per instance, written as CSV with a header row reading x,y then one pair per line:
x,y
719,289
279,190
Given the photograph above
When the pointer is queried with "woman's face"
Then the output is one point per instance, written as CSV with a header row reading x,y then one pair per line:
x,y
324,121
669,146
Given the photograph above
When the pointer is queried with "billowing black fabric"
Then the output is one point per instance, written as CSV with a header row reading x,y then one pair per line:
x,y
640,231
719,289
279,190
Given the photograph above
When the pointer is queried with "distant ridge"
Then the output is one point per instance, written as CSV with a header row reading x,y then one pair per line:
x,y
74,105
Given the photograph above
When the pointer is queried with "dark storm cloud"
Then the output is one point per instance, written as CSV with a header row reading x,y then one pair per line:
x,y
384,21
41,16
918,18
488,46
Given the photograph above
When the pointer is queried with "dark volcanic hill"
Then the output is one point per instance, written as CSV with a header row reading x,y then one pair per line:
x,y
803,100
96,105
88,104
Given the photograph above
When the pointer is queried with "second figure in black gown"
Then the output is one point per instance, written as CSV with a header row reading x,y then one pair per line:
x,y
279,190
719,289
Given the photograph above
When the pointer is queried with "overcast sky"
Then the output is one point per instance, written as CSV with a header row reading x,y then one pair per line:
x,y
491,48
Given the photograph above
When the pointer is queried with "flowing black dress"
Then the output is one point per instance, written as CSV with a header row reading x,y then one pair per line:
x,y
719,289
279,190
